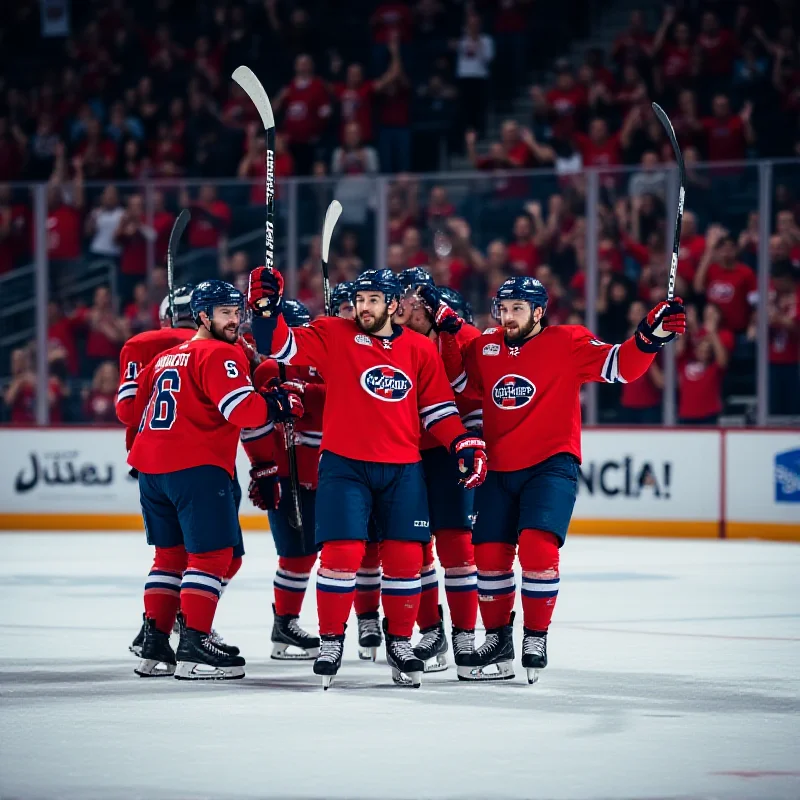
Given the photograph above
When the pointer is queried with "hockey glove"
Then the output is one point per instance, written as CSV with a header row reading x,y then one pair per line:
x,y
265,291
283,406
470,452
265,486
444,318
664,322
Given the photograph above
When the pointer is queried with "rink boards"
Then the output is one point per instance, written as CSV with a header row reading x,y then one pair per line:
x,y
634,481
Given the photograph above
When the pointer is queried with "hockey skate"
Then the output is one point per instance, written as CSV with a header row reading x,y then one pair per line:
x,y
157,657
200,659
534,653
407,669
369,636
494,659
432,648
286,633
463,644
230,649
136,645
329,659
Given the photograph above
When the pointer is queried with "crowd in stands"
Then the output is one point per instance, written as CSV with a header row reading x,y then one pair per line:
x,y
385,88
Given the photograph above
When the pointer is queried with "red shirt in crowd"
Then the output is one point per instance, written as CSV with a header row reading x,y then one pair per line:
x,y
62,334
356,106
730,289
394,108
717,53
784,345
99,407
389,16
162,223
63,233
642,393
700,389
204,233
676,62
524,258
689,255
509,17
133,260
23,411
599,155
307,108
565,106
725,139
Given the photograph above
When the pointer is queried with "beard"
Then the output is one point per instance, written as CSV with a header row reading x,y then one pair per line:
x,y
375,324
229,332
518,333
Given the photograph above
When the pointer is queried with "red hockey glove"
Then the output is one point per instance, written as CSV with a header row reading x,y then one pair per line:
x,y
470,451
295,385
265,291
283,406
664,322
444,318
265,486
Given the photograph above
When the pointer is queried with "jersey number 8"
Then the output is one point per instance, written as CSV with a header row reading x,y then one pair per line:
x,y
163,401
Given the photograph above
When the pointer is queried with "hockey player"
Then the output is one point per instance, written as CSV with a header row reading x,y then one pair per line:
x,y
529,380
449,503
270,491
381,379
192,400
342,300
458,303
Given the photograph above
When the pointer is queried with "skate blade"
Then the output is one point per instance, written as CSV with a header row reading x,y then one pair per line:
x,y
191,671
533,676
281,652
436,664
327,681
505,672
149,668
368,653
413,679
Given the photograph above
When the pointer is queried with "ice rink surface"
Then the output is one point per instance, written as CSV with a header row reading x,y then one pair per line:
x,y
674,673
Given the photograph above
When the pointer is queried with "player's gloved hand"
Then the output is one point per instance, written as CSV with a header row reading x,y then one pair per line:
x,y
295,385
470,451
664,322
265,291
283,406
446,320
431,296
265,486
134,473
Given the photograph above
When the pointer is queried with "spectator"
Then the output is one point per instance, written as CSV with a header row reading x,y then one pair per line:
x,y
473,71
133,164
677,61
632,91
15,231
600,148
253,165
633,46
208,229
413,254
236,270
750,73
725,282
106,332
61,330
557,308
102,225
651,180
64,224
20,396
401,212
141,313
348,262
44,148
132,236
162,225
355,98
641,399
307,110
353,157
685,121
566,101
693,245
99,401
727,135
394,113
439,209
98,153
524,255
718,48
784,341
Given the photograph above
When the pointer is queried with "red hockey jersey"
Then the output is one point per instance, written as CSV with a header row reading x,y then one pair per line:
x,y
267,443
468,407
136,354
379,389
531,393
192,400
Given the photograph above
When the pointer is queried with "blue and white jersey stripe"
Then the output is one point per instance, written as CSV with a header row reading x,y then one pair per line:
x,y
474,420
251,434
459,383
201,581
308,438
291,581
535,587
127,390
343,585
288,351
233,399
461,583
430,415
610,370
491,585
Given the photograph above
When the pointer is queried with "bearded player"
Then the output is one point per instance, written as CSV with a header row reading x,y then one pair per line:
x,y
449,503
382,381
528,378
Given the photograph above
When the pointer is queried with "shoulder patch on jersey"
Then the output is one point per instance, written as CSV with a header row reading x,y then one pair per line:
x,y
362,339
512,391
491,349
597,343
489,330
386,383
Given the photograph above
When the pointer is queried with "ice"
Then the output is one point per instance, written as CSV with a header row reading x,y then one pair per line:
x,y
674,673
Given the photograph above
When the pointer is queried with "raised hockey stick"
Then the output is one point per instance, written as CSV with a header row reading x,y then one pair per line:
x,y
178,228
331,218
676,242
246,78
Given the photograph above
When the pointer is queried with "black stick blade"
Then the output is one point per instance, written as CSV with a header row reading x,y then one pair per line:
x,y
673,139
177,230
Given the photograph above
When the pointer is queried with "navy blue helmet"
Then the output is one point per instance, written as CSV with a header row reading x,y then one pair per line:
x,y
379,280
457,302
342,293
521,289
414,277
182,303
210,294
295,314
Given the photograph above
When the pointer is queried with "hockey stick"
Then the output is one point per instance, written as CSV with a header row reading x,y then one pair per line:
x,y
246,78
178,228
331,218
676,242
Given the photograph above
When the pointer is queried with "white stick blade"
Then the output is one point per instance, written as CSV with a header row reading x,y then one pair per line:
x,y
246,78
331,218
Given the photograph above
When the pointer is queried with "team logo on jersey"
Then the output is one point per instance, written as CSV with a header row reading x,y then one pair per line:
x,y
489,330
361,339
386,383
491,349
512,391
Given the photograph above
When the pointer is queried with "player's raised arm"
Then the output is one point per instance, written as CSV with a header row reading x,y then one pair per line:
x,y
626,362
131,401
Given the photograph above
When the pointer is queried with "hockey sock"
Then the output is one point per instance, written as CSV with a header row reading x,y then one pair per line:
x,y
236,564
428,614
457,556
202,586
291,580
538,557
401,585
368,581
496,587
336,583
162,592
